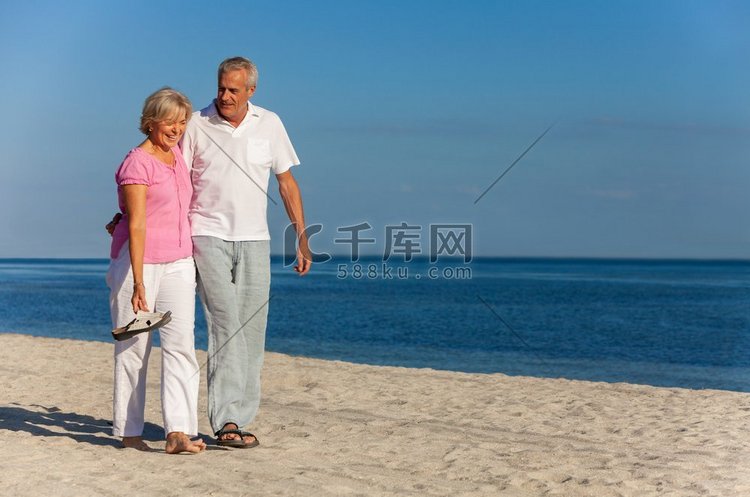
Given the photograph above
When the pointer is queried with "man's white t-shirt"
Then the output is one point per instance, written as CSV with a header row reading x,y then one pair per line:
x,y
230,168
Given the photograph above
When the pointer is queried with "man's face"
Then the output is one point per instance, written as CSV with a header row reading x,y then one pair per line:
x,y
233,95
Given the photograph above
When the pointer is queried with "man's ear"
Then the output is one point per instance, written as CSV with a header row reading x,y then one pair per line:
x,y
251,92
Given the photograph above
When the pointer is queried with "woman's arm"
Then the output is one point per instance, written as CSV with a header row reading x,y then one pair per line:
x,y
135,206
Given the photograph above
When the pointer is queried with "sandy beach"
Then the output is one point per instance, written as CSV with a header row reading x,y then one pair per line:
x,y
330,428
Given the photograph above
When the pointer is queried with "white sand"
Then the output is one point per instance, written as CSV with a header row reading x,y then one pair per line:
x,y
332,428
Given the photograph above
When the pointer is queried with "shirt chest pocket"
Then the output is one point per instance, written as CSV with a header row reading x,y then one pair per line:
x,y
259,153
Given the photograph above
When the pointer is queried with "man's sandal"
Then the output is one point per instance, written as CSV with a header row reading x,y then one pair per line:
x,y
252,444
234,442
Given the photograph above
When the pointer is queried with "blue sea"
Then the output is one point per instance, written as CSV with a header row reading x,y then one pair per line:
x,y
665,323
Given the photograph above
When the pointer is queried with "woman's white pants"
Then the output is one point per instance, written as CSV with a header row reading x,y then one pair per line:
x,y
169,287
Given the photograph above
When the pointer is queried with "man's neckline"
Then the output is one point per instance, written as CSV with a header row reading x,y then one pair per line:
x,y
250,112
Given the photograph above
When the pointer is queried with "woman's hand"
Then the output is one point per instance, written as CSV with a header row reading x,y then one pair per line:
x,y
139,298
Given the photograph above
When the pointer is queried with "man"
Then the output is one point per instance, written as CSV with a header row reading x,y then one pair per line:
x,y
232,147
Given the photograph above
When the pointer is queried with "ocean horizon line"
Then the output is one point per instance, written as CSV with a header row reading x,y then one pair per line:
x,y
424,258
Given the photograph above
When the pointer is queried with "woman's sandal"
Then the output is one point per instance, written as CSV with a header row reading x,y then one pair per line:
x,y
143,322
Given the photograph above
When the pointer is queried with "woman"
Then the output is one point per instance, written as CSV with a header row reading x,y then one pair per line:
x,y
152,268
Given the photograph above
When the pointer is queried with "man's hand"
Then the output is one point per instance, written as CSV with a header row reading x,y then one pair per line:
x,y
110,226
304,258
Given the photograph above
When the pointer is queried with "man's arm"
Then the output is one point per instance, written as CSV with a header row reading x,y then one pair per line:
x,y
110,226
290,194
187,143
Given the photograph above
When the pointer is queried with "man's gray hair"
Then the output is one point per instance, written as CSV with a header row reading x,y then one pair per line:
x,y
237,63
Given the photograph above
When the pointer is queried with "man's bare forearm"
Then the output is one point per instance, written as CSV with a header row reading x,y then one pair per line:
x,y
292,198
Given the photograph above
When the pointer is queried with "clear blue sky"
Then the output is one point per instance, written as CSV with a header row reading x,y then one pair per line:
x,y
405,111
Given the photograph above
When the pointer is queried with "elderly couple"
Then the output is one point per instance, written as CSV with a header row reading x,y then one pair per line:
x,y
193,196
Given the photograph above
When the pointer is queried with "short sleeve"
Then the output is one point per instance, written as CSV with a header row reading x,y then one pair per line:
x,y
134,171
284,156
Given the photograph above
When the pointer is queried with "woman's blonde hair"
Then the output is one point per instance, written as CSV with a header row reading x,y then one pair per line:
x,y
163,105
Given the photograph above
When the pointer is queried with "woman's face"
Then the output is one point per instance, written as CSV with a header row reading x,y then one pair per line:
x,y
167,133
